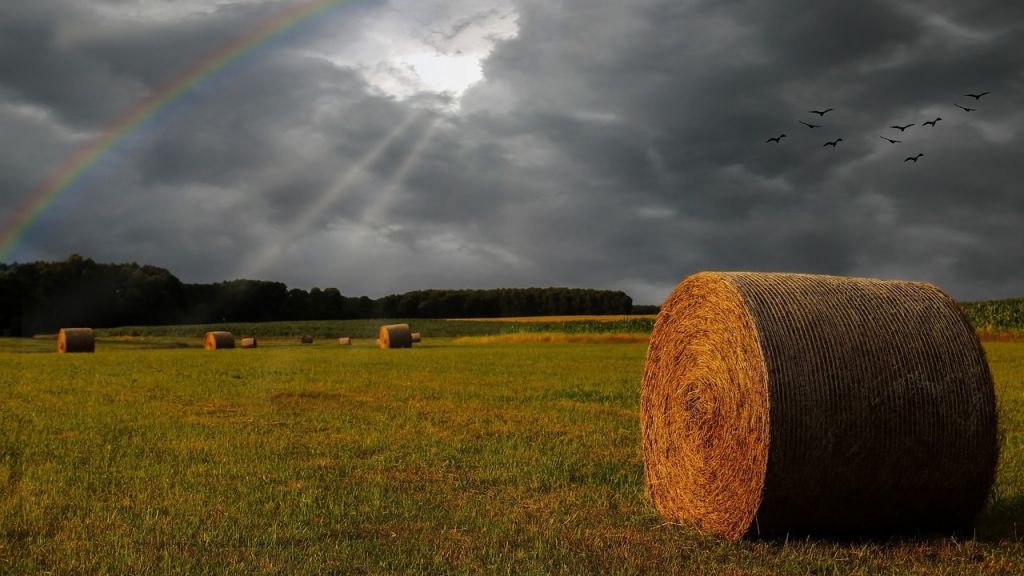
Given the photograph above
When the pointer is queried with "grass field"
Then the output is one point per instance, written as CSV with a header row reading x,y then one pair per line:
x,y
512,457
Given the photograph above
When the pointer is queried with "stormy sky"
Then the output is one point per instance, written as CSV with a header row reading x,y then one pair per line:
x,y
392,145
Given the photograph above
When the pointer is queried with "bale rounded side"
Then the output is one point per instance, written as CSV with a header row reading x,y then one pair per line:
x,y
416,337
248,342
704,409
75,340
878,401
218,340
395,336
345,341
306,339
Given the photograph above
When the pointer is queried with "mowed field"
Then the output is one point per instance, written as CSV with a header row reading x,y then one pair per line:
x,y
458,456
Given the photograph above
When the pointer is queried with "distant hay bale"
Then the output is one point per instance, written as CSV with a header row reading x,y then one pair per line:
x,y
415,337
74,340
306,339
249,342
345,341
395,336
787,403
218,340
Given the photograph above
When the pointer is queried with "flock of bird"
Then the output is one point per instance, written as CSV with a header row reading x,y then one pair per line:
x,y
902,129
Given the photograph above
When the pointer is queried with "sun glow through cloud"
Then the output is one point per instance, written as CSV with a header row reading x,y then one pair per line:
x,y
434,51
443,72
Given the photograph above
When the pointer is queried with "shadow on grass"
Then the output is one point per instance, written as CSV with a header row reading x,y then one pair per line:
x,y
144,344
1003,520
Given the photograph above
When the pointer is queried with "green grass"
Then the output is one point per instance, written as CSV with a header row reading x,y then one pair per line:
x,y
444,459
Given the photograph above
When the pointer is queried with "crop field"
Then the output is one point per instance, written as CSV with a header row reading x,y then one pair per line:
x,y
429,327
479,455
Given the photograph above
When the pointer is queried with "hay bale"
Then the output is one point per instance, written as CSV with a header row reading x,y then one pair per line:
x,y
788,403
306,340
74,340
249,342
395,336
345,341
415,337
218,340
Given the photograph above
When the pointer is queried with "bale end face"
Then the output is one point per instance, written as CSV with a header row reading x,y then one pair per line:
x,y
704,409
415,337
75,340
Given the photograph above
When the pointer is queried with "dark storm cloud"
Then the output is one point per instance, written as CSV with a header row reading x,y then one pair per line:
x,y
709,83
35,68
222,134
88,67
610,144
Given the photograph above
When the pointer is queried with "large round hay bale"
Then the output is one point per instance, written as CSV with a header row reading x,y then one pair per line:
x,y
73,340
218,340
395,336
306,339
248,342
787,403
345,341
415,337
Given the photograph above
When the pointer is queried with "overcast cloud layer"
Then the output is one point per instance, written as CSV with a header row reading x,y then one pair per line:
x,y
405,144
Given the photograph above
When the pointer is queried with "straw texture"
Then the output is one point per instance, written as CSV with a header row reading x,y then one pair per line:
x,y
415,337
73,340
787,403
395,336
218,340
345,341
249,342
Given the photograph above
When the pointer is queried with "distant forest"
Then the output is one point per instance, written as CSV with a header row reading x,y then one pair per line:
x,y
41,297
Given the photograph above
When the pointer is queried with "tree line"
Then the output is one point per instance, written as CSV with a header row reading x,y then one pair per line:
x,y
41,297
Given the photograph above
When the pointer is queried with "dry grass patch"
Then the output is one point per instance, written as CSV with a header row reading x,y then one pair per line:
x,y
554,338
579,318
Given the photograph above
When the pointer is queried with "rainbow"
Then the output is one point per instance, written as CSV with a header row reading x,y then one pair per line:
x,y
65,175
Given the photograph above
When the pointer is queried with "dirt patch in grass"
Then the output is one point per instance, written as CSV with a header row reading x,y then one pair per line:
x,y
1000,336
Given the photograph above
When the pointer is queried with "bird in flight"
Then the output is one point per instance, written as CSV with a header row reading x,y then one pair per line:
x,y
965,109
777,139
890,140
810,125
901,128
820,112
976,96
932,122
914,158
832,143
